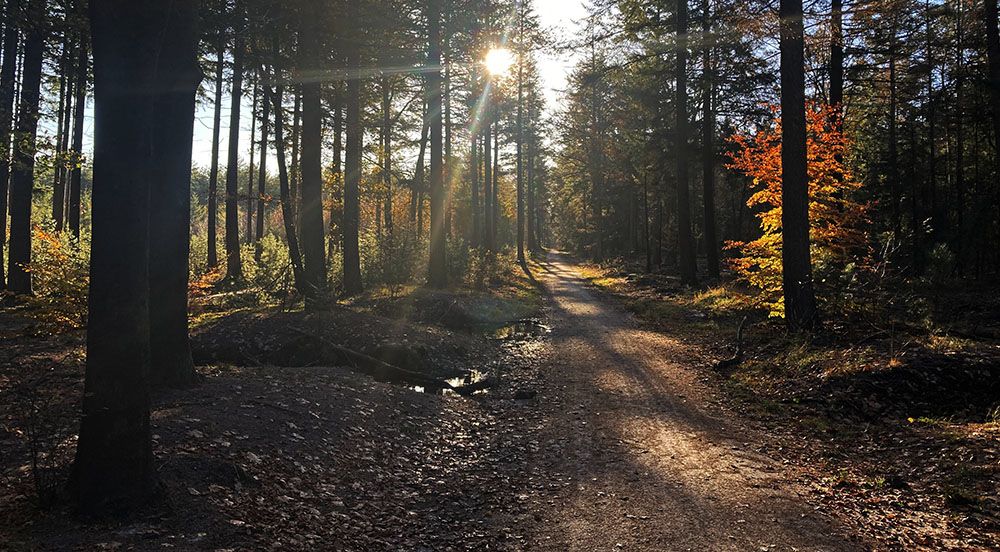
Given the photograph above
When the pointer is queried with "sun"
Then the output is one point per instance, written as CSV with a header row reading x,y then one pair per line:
x,y
498,61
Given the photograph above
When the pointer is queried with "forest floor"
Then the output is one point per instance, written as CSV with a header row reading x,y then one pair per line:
x,y
597,430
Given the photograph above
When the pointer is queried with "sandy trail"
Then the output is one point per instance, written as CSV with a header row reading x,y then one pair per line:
x,y
634,456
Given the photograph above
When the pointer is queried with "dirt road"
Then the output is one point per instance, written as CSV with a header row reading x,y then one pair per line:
x,y
634,456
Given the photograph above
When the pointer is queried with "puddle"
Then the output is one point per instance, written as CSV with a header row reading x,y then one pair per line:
x,y
522,330
474,378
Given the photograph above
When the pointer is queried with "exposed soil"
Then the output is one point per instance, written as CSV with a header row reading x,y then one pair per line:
x,y
597,434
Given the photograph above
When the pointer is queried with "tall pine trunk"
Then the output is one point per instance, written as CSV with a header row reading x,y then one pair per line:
x,y
213,174
80,104
685,240
262,175
248,232
234,265
708,144
287,215
113,467
23,174
352,168
311,187
796,261
170,207
7,75
437,268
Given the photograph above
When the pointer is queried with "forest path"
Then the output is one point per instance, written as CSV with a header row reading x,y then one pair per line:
x,y
634,455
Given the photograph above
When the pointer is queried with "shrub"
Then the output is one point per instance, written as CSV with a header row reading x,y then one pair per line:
x,y
838,239
60,270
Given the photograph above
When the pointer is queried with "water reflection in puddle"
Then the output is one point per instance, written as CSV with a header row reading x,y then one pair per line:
x,y
522,330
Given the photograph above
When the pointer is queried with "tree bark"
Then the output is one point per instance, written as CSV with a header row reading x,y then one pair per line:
x,y
59,165
488,178
796,262
520,136
80,105
7,76
685,240
262,175
287,216
353,284
135,58
248,232
234,264
311,186
387,153
213,175
170,207
708,145
23,174
437,267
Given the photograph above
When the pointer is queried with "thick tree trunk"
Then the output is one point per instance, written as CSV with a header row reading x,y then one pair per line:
x,y
685,240
7,76
76,174
234,264
170,206
437,268
113,466
213,175
287,216
23,174
796,261
311,208
352,168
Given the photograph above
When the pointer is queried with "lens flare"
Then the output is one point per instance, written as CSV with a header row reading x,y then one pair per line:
x,y
498,61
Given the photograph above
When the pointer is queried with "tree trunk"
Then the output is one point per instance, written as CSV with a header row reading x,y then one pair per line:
x,y
420,178
311,186
59,164
7,76
234,264
708,145
685,240
265,116
22,177
837,58
213,175
488,179
475,238
80,105
337,205
437,268
170,207
113,466
248,233
993,59
796,262
520,136
352,168
287,216
387,153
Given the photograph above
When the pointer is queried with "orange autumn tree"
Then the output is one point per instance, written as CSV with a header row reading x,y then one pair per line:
x,y
836,221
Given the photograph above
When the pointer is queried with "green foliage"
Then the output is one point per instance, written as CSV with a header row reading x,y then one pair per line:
x,y
393,260
60,270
